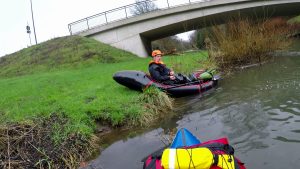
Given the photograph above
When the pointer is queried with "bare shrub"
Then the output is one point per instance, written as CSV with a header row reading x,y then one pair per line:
x,y
243,41
30,145
171,45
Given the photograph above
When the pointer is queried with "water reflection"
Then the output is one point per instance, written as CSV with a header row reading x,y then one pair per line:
x,y
128,153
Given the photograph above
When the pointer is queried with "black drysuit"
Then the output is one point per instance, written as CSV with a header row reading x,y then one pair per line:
x,y
160,73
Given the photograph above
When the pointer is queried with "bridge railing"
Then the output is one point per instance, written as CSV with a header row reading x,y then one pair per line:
x,y
124,12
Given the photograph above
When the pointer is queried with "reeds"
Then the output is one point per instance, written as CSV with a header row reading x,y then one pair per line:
x,y
243,41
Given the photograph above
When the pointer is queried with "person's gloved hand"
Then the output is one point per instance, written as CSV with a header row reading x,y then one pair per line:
x,y
172,77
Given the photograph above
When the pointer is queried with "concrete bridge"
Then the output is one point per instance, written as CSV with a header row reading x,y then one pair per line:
x,y
135,34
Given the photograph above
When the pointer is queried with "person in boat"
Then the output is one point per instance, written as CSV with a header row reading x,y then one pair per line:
x,y
161,73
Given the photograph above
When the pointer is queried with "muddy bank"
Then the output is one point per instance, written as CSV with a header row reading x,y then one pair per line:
x,y
31,145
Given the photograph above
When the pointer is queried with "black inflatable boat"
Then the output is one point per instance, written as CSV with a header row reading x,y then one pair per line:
x,y
138,80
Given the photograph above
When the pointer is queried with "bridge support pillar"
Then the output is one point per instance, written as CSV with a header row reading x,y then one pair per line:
x,y
136,44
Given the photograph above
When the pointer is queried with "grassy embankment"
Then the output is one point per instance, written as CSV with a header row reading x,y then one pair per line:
x,y
81,90
67,82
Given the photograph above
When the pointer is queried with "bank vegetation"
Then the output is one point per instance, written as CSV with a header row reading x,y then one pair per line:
x,y
244,41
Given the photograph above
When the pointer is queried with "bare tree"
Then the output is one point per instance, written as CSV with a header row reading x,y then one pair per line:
x,y
197,38
143,6
171,45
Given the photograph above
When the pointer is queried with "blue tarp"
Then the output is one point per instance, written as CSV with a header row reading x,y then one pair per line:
x,y
184,138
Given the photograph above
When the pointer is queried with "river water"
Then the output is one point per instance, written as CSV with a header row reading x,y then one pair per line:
x,y
258,109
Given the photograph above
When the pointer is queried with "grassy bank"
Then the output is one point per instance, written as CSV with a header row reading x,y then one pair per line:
x,y
60,53
83,94
60,89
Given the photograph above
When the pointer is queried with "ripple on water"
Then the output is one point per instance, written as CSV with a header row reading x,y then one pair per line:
x,y
282,123
295,110
282,119
283,139
283,106
295,131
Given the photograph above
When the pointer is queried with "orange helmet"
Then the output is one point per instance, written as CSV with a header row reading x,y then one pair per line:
x,y
156,52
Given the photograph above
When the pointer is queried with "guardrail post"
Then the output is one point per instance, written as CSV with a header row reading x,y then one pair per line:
x,y
126,12
87,23
105,17
168,3
70,29
189,1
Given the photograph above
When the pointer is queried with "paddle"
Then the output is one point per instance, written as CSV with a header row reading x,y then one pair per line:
x,y
215,77
184,84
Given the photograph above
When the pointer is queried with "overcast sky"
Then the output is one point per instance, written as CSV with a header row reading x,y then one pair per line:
x,y
51,19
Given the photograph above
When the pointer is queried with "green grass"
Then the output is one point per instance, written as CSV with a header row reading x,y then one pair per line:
x,y
294,20
82,94
187,62
61,53
83,90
